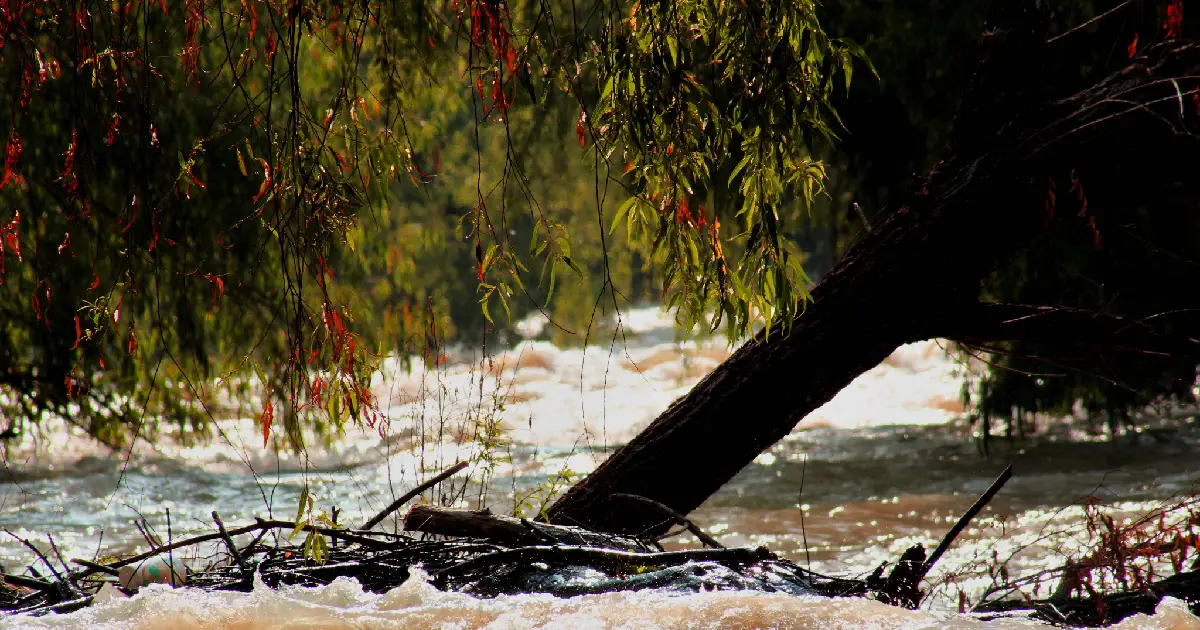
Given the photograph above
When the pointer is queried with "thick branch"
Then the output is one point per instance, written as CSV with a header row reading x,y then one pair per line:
x,y
1065,326
432,519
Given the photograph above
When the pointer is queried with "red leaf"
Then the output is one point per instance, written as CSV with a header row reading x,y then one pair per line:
x,y
1174,23
1133,46
262,190
78,333
218,287
131,346
268,414
12,154
580,133
14,244
95,283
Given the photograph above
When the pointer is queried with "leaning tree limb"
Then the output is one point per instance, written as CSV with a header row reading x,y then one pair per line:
x,y
1126,134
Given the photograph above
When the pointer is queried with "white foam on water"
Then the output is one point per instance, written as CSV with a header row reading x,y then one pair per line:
x,y
596,396
417,604
602,395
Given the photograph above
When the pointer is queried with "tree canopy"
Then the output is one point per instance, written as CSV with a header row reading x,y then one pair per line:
x,y
261,198
198,190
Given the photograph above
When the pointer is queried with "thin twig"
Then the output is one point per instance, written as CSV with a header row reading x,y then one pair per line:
x,y
96,566
143,526
37,552
679,518
66,567
171,553
257,539
1092,21
412,493
259,525
800,500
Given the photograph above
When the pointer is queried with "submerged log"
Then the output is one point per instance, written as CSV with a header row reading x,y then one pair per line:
x,y
506,530
917,276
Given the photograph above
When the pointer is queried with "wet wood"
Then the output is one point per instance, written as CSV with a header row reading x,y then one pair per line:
x,y
966,519
432,519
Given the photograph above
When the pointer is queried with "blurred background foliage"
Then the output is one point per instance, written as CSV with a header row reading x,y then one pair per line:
x,y
406,200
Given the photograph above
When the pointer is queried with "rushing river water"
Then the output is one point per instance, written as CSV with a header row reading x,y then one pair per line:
x,y
882,466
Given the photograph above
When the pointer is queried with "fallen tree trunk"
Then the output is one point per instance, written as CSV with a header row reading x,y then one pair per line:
x,y
917,276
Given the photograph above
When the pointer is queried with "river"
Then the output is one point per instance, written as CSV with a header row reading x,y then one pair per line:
x,y
884,465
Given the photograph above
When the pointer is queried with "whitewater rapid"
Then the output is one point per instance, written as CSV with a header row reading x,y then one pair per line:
x,y
880,467
417,605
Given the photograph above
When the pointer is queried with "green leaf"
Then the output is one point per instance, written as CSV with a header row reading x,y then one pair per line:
x,y
300,512
486,312
487,258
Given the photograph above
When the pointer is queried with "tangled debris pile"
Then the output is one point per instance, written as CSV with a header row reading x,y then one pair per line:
x,y
480,567
486,555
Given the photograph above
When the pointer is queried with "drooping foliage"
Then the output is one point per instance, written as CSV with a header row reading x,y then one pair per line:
x,y
1104,252
204,198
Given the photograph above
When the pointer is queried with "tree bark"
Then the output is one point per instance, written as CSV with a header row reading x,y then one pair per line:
x,y
917,276
433,519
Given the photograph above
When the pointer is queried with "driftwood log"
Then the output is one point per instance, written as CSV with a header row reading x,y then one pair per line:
x,y
506,530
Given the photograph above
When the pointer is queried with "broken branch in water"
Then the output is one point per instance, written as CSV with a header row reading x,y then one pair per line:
x,y
37,552
679,518
412,493
233,550
901,585
965,519
96,566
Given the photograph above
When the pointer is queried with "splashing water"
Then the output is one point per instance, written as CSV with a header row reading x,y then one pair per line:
x,y
877,469
416,604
